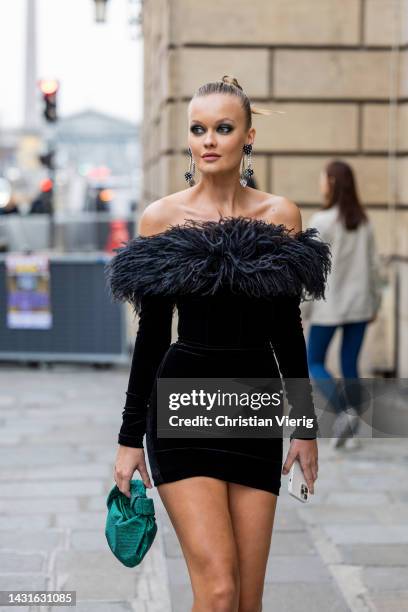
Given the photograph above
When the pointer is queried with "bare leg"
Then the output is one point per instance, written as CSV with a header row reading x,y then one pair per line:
x,y
252,514
199,511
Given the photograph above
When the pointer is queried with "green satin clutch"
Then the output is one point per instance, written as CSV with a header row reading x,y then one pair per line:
x,y
130,524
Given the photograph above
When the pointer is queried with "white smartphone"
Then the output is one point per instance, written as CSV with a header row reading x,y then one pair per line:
x,y
297,486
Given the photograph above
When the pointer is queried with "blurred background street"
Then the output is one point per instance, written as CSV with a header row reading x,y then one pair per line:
x,y
93,127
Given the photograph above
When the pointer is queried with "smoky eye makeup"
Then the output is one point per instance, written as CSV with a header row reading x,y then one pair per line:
x,y
196,129
223,128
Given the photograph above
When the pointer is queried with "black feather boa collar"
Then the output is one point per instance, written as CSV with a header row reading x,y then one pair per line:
x,y
246,255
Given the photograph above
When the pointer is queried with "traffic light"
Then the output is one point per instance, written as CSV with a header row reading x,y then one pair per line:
x,y
49,89
48,159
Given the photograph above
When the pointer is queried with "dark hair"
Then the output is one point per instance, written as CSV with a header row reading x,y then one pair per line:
x,y
229,85
343,194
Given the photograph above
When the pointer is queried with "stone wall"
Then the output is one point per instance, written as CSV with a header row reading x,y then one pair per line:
x,y
331,66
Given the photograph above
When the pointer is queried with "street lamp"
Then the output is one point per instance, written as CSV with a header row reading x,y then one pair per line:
x,y
100,10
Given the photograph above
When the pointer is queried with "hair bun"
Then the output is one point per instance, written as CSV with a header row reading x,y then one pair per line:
x,y
231,81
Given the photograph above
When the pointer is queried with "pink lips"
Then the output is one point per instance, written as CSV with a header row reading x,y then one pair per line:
x,y
211,157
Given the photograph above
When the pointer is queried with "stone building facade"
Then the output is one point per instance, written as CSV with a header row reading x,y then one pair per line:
x,y
337,70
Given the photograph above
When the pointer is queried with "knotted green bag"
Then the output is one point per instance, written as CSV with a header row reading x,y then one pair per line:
x,y
130,524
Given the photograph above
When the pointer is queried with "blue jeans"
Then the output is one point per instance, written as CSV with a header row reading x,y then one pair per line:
x,y
339,394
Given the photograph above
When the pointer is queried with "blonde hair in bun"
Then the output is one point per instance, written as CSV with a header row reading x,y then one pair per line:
x,y
231,80
229,84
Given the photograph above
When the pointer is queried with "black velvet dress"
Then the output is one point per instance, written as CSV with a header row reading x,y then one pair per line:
x,y
237,284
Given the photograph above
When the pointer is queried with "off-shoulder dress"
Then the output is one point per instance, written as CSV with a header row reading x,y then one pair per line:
x,y
237,284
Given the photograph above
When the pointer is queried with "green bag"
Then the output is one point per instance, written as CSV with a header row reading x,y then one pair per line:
x,y
130,524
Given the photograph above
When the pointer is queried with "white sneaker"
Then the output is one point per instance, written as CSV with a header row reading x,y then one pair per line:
x,y
352,443
337,442
345,426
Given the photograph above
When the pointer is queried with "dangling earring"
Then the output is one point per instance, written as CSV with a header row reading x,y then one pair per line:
x,y
189,175
246,168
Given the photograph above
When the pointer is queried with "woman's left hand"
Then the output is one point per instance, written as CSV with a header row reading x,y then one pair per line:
x,y
307,453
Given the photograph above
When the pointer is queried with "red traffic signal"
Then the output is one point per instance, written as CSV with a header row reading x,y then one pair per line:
x,y
49,88
46,185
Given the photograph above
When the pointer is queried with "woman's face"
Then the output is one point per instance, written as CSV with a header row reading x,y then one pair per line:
x,y
324,184
217,125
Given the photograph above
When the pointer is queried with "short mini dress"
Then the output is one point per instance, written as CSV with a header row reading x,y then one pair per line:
x,y
237,284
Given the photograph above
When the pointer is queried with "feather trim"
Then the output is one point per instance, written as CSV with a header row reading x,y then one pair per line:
x,y
243,254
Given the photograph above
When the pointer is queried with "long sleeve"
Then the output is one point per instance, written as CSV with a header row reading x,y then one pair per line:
x,y
323,226
375,279
290,350
152,341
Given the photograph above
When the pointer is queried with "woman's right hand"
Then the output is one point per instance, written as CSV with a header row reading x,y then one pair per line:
x,y
128,460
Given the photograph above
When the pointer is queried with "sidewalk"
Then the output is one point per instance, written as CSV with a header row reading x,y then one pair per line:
x,y
58,441
348,549
58,427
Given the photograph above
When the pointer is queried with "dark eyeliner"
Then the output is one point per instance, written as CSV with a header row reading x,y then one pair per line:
x,y
222,125
193,127
226,125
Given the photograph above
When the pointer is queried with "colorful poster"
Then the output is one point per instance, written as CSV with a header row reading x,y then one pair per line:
x,y
28,292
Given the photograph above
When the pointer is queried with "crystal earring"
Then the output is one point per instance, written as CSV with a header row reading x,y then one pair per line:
x,y
246,168
189,175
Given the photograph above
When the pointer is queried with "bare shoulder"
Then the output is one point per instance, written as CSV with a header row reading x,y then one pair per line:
x,y
285,211
158,216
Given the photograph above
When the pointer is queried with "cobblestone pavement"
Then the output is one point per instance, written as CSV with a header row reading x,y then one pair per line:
x,y
348,549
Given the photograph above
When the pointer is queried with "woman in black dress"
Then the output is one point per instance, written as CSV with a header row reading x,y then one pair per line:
x,y
236,264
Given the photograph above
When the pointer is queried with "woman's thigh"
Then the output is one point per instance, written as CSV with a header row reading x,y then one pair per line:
x,y
252,514
198,509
